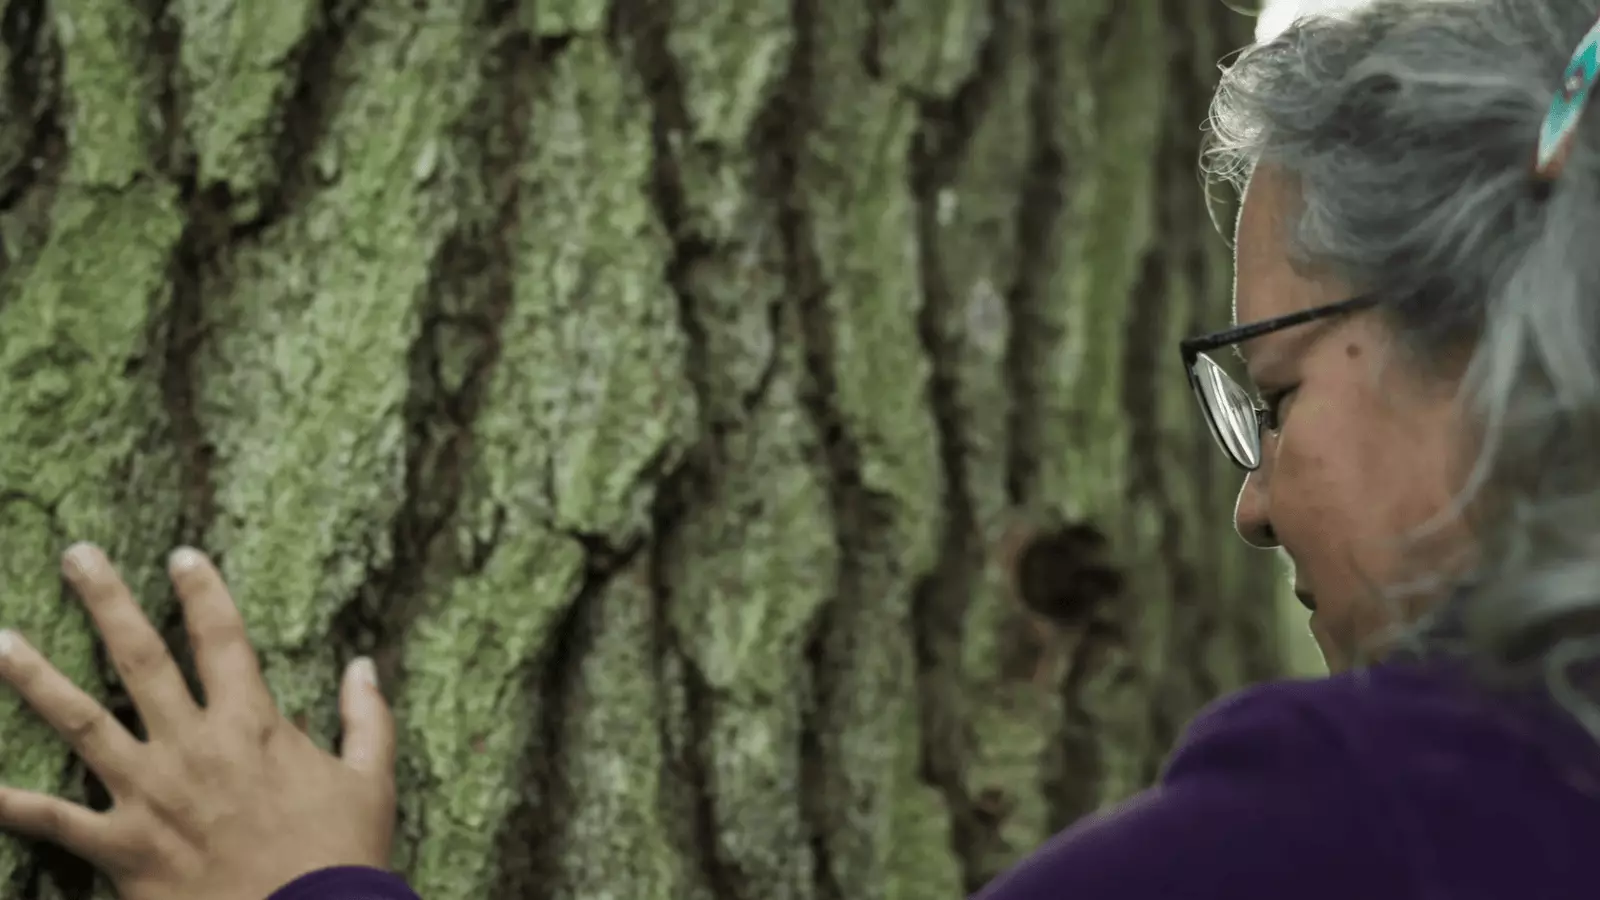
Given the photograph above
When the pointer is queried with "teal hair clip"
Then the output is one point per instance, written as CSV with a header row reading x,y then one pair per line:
x,y
1561,122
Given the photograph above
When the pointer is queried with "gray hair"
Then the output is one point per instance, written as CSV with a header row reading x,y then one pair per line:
x,y
1410,128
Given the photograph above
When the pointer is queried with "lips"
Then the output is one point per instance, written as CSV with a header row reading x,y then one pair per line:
x,y
1305,598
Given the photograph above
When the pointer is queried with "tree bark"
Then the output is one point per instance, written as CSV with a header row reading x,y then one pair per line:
x,y
749,436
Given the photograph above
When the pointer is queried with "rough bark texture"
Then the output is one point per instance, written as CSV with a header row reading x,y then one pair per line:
x,y
748,435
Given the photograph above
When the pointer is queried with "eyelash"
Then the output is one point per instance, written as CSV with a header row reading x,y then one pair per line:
x,y
1272,407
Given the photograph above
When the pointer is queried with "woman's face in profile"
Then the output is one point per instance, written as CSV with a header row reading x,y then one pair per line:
x,y
1367,450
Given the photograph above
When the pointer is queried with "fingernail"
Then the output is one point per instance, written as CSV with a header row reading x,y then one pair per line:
x,y
8,641
185,559
81,560
364,671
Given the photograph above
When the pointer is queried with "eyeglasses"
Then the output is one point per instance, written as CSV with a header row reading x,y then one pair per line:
x,y
1236,418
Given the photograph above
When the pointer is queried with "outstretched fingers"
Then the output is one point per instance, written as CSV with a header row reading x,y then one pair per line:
x,y
93,733
226,662
89,834
368,744
136,649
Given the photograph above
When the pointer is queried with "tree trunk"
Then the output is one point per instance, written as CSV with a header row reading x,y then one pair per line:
x,y
748,435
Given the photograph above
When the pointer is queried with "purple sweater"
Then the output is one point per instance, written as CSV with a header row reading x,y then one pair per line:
x,y
1389,784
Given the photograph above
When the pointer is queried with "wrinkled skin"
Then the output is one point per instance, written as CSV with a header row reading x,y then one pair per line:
x,y
1369,448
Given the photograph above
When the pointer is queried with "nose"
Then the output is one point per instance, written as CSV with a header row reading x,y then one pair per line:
x,y
1250,513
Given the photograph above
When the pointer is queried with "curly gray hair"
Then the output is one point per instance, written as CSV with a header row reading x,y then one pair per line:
x,y
1410,127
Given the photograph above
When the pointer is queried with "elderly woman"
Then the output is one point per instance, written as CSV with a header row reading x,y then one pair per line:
x,y
1420,323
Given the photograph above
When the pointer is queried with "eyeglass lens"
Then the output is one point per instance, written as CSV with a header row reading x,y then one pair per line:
x,y
1229,411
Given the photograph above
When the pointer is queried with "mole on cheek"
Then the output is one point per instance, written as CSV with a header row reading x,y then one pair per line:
x,y
1352,350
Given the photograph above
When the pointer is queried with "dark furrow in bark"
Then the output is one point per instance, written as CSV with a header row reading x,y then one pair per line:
x,y
1039,210
941,597
202,252
638,31
1143,374
871,53
1074,759
684,799
1147,482
530,834
170,154
202,260
173,339
1175,259
31,83
469,297
1075,763
781,143
949,123
177,338
306,114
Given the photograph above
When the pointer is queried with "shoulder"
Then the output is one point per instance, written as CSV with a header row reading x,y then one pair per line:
x,y
1260,800
1370,726
1276,728
1339,722
1299,756
1393,782
1451,784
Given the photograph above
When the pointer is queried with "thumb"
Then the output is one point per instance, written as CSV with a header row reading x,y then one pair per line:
x,y
368,745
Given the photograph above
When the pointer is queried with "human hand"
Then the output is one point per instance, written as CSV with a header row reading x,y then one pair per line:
x,y
229,801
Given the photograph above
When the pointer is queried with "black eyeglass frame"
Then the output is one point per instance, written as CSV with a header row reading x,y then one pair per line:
x,y
1193,348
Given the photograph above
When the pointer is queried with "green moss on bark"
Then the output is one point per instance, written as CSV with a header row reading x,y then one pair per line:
x,y
466,719
82,455
586,404
304,380
238,65
654,389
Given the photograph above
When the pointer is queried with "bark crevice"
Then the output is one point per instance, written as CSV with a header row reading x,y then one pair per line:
x,y
774,226
1072,779
200,254
1072,785
1041,202
530,865
306,114
32,85
639,34
871,54
781,142
689,795
940,599
469,297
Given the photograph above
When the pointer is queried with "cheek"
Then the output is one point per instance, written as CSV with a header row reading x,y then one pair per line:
x,y
1331,507
1348,485
1343,476
1305,485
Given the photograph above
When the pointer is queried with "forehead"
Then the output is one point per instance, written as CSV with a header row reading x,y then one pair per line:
x,y
1260,245
1267,282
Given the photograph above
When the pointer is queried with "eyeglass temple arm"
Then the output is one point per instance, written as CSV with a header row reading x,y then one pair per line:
x,y
1192,347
